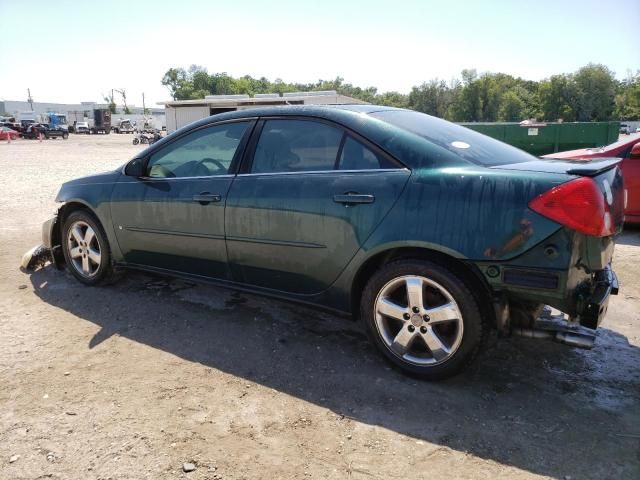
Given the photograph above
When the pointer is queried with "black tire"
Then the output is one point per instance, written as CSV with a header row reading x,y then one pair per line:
x,y
473,328
65,136
105,269
136,141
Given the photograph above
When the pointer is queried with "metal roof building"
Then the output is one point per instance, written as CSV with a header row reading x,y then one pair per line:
x,y
182,112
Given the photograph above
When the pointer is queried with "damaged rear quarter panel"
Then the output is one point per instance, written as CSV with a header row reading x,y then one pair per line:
x,y
478,213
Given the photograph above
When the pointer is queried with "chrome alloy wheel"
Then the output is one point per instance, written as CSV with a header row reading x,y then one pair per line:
x,y
84,249
418,320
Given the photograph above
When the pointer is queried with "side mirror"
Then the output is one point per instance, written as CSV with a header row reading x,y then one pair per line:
x,y
635,151
135,168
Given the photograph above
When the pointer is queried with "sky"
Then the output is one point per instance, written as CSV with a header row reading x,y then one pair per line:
x,y
73,51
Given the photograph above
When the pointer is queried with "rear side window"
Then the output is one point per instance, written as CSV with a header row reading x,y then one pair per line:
x,y
296,146
355,156
461,141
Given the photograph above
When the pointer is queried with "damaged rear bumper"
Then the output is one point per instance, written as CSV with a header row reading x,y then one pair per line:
x,y
594,306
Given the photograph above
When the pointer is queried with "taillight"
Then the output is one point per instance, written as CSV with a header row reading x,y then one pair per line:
x,y
579,205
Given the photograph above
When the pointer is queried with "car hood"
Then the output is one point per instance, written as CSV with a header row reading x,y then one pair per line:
x,y
584,167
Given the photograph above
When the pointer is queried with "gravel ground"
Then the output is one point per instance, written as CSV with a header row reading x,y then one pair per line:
x,y
137,379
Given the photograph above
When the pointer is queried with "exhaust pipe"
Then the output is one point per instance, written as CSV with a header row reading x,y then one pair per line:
x,y
577,339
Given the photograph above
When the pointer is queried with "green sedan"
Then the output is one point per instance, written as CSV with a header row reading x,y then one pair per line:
x,y
429,233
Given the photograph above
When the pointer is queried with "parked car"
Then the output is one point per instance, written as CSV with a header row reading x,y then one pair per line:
x,y
51,131
34,131
6,133
82,127
629,152
430,233
625,129
122,126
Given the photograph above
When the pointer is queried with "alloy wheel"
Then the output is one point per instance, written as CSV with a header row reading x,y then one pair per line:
x,y
418,320
84,249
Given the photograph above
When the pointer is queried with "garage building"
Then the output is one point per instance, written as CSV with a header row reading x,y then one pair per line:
x,y
182,112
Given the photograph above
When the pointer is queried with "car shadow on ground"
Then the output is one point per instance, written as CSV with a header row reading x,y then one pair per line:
x,y
525,403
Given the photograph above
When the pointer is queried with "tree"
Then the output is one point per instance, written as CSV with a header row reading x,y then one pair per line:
x,y
173,79
111,104
595,93
125,107
627,99
431,97
591,93
512,107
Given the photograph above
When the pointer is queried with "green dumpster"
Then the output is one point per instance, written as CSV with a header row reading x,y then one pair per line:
x,y
542,138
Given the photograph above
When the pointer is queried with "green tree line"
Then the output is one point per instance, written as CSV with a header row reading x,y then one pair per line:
x,y
590,94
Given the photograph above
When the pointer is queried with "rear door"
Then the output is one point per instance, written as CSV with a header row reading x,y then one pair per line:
x,y
309,198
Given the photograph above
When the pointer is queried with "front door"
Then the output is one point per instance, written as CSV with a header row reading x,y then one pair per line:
x,y
173,216
311,198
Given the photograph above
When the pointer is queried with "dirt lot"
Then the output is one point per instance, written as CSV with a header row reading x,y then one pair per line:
x,y
131,381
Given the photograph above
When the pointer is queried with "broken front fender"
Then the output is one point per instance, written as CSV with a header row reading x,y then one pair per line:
x,y
48,231
51,240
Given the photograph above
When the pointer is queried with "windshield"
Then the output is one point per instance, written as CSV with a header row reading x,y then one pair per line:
x,y
461,141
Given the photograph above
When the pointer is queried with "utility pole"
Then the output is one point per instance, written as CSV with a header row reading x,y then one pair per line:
x,y
144,110
29,99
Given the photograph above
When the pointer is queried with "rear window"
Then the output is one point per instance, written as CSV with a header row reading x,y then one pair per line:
x,y
461,141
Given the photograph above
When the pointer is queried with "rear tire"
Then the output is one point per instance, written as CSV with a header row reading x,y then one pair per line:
x,y
422,318
86,248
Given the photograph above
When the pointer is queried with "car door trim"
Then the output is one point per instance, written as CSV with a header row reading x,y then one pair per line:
x,y
267,241
173,232
335,172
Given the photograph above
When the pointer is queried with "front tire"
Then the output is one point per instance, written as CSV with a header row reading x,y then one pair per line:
x,y
422,318
86,248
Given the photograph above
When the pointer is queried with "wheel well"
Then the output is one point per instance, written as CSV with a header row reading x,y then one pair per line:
x,y
469,273
63,213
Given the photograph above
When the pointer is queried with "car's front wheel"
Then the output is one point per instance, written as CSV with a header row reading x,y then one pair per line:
x,y
86,249
422,318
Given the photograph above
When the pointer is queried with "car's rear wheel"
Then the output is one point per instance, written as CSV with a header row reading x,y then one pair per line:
x,y
86,248
422,318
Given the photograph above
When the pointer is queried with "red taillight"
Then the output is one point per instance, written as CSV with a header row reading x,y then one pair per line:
x,y
579,205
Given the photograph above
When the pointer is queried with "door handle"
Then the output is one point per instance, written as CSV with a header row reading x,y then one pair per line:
x,y
205,198
353,198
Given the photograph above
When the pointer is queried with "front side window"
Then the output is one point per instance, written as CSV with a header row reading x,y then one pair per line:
x,y
203,153
296,146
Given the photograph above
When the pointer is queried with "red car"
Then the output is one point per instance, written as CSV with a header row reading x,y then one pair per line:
x,y
5,132
629,151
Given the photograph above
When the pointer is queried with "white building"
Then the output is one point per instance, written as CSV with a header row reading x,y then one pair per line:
x,y
182,112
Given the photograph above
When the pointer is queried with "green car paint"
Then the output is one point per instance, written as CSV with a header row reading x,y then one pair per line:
x,y
286,235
